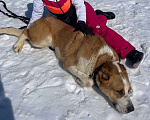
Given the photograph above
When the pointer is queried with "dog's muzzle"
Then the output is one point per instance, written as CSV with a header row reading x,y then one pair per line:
x,y
124,105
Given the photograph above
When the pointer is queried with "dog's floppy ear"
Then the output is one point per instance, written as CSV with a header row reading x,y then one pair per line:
x,y
104,74
105,77
102,77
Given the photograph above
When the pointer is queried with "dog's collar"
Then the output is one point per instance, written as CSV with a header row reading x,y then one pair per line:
x,y
93,75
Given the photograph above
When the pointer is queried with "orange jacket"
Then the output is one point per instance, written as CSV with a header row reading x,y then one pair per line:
x,y
58,7
54,7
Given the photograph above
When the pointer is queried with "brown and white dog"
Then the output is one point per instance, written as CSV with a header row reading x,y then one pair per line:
x,y
85,57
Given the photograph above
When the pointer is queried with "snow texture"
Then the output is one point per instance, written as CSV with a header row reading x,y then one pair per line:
x,y
34,85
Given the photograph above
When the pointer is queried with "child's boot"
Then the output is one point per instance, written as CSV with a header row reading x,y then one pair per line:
x,y
108,15
135,57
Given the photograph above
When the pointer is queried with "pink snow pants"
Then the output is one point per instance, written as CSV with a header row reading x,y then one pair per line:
x,y
117,42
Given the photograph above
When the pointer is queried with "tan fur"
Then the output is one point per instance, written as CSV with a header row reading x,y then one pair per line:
x,y
113,81
80,55
12,31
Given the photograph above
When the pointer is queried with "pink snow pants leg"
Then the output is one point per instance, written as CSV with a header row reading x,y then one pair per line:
x,y
97,24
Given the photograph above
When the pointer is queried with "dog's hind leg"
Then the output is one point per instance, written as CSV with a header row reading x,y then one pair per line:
x,y
11,31
19,44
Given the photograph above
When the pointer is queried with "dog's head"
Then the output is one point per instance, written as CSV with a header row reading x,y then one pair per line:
x,y
113,81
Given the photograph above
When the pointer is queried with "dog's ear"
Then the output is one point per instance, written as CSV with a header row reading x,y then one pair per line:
x,y
104,75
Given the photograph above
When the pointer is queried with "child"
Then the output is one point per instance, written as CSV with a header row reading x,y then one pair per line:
x,y
82,16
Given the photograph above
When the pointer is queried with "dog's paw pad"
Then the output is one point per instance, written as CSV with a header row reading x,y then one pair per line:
x,y
17,48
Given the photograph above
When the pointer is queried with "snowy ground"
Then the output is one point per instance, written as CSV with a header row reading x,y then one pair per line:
x,y
34,86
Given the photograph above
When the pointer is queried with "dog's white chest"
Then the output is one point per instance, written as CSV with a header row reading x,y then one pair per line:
x,y
85,65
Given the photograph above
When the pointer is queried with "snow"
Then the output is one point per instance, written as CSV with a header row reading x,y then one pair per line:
x,y
34,85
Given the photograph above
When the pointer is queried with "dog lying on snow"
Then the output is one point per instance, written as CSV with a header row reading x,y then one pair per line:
x,y
86,57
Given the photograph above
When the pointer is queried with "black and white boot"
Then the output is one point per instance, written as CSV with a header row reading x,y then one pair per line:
x,y
109,15
135,57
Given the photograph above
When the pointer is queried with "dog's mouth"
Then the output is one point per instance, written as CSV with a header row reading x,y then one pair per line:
x,y
124,109
123,106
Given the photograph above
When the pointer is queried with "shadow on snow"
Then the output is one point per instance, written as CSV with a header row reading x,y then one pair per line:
x,y
6,111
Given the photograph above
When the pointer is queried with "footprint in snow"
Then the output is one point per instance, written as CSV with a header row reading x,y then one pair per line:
x,y
70,88
144,47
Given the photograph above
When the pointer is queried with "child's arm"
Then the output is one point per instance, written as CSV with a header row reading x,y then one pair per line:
x,y
80,10
38,9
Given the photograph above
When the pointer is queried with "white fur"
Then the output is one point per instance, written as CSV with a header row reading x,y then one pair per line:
x,y
83,79
116,63
106,49
87,66
125,82
125,101
57,52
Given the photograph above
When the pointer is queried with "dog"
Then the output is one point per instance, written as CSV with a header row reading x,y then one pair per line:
x,y
87,57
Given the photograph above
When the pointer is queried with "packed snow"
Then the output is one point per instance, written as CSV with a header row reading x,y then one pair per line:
x,y
35,86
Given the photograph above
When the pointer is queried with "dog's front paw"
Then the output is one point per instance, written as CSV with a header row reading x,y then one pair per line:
x,y
17,48
89,83
85,83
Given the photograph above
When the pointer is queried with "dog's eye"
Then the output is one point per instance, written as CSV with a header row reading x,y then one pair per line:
x,y
120,92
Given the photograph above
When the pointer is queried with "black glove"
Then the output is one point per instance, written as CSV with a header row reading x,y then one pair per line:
x,y
82,27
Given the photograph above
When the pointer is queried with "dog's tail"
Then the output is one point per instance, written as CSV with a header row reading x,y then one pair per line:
x,y
11,31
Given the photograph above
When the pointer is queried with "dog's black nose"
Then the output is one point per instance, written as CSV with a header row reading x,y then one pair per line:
x,y
130,109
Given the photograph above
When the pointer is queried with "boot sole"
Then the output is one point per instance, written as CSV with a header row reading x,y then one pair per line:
x,y
137,64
